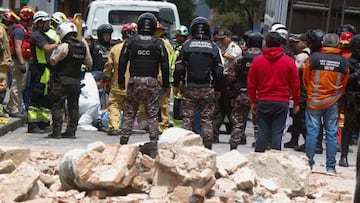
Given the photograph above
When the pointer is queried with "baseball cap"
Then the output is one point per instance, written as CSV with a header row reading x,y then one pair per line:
x,y
294,38
223,33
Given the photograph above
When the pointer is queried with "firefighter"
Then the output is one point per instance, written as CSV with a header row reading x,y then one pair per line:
x,y
20,50
5,60
117,96
164,100
65,82
41,47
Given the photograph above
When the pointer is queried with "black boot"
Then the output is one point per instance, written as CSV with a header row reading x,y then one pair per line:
x,y
34,128
233,146
343,161
208,145
291,144
243,140
124,140
68,134
216,138
300,148
54,135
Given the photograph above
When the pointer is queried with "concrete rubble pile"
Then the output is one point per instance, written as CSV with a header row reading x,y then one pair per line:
x,y
183,171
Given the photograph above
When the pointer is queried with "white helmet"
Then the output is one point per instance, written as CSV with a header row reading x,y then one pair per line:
x,y
41,16
65,28
59,17
281,29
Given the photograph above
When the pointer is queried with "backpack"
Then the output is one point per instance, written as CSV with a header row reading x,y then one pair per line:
x,y
25,46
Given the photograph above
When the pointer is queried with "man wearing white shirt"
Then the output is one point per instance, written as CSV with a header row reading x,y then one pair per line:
x,y
230,50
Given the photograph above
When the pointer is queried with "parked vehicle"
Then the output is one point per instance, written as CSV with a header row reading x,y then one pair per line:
x,y
119,12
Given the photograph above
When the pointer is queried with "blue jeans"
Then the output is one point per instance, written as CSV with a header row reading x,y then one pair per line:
x,y
271,119
313,123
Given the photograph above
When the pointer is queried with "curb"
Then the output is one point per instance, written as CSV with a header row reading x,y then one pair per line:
x,y
13,124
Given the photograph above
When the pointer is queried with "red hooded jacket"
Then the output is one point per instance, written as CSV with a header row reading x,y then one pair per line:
x,y
273,76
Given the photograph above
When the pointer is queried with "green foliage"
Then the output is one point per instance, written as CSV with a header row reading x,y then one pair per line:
x,y
233,21
186,9
236,15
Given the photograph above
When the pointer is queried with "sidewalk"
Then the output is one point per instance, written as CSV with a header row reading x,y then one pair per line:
x,y
13,124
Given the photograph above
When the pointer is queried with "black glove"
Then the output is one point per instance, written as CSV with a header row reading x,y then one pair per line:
x,y
22,68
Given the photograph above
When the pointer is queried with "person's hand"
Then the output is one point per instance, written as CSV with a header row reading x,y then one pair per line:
x,y
253,108
22,68
295,109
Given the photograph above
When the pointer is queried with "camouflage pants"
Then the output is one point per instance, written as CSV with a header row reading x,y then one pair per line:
x,y
239,115
205,98
142,90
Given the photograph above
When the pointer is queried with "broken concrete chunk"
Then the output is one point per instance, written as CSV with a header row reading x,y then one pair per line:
x,y
11,190
231,161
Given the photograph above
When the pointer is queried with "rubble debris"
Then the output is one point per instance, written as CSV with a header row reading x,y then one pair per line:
x,y
183,171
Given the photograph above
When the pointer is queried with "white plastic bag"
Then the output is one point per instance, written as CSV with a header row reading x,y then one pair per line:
x,y
89,103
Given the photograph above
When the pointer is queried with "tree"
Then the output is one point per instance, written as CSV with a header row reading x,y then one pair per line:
x,y
186,9
237,16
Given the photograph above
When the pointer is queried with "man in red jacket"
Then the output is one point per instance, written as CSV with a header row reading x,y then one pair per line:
x,y
273,78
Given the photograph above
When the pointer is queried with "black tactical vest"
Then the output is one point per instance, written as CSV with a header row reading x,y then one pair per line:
x,y
245,66
71,65
146,52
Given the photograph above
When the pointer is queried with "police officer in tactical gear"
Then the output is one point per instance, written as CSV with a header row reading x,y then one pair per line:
x,y
351,101
65,82
145,52
100,48
198,70
236,86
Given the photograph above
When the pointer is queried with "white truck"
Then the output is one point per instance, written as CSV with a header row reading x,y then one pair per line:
x,y
119,12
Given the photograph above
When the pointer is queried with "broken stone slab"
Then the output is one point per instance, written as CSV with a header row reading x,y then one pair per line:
x,y
269,184
159,192
7,166
16,154
224,188
183,161
289,170
96,146
181,194
113,169
11,190
244,178
230,162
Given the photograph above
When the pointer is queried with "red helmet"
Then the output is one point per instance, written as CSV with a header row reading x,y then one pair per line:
x,y
27,13
128,30
10,16
345,37
160,30
160,26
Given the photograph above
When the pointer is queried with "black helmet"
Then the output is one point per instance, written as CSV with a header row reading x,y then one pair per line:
x,y
355,46
146,23
200,28
255,39
315,38
246,35
346,27
104,28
